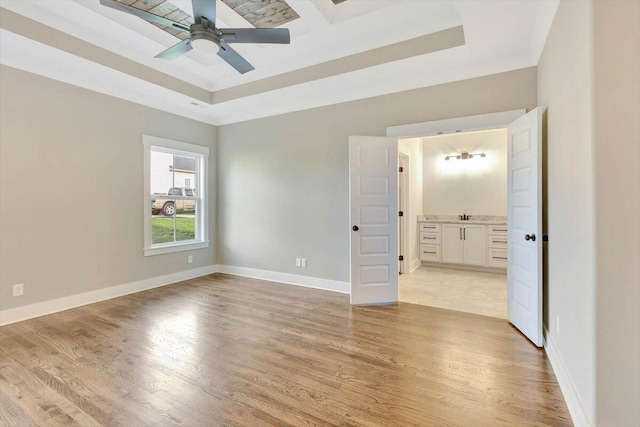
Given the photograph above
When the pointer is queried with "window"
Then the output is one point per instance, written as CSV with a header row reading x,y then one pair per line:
x,y
175,202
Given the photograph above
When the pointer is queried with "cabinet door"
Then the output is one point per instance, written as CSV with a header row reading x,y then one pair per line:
x,y
451,243
473,244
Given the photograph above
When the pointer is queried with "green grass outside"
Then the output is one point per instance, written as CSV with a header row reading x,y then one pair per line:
x,y
162,229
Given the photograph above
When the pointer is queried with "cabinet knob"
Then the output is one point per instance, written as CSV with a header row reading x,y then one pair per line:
x,y
531,237
356,228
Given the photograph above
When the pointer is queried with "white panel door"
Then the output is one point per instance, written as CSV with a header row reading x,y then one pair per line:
x,y
473,245
373,177
524,186
451,243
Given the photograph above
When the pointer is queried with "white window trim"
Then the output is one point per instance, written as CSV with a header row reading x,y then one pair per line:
x,y
202,218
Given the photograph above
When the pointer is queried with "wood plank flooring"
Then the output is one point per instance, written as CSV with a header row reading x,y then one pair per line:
x,y
224,350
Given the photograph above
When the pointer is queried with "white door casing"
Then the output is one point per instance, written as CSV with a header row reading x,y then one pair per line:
x,y
403,206
373,182
524,205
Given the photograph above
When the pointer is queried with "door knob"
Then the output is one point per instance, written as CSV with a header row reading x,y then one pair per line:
x,y
531,237
355,228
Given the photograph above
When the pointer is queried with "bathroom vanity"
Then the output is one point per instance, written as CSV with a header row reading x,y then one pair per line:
x,y
479,242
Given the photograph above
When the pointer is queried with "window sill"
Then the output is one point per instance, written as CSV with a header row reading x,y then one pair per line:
x,y
178,247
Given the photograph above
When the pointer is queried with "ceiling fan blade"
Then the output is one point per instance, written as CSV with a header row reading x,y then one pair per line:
x,y
176,50
206,8
145,15
256,35
234,59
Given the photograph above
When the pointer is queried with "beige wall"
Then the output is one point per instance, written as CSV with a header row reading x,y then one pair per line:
x,y
75,224
283,181
564,87
617,193
475,186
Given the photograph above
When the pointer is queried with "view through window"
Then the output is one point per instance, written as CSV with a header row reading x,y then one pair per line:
x,y
173,203
175,217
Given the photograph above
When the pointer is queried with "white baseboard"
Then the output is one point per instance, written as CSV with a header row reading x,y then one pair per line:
x,y
414,265
291,279
60,304
571,397
30,311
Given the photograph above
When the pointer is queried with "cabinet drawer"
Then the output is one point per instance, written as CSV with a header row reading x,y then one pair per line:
x,y
430,238
430,253
497,229
498,242
498,258
429,227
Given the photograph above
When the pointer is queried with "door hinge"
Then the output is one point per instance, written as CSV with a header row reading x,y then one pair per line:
x,y
400,213
400,169
401,258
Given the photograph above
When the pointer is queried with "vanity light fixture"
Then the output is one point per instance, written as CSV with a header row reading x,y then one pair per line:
x,y
464,155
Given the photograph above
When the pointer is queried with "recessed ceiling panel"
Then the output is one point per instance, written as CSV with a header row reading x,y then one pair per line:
x,y
263,13
164,9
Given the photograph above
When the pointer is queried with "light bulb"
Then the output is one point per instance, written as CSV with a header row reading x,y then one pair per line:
x,y
205,46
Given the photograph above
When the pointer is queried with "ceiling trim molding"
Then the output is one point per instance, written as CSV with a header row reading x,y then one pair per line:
x,y
25,27
455,125
434,42
56,64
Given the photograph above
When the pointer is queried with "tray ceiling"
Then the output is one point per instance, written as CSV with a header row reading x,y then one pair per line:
x,y
264,13
339,51
165,9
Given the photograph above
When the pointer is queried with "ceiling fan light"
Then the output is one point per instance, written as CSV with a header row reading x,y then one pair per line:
x,y
206,46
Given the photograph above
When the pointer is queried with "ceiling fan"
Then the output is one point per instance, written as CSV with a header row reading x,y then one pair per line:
x,y
205,36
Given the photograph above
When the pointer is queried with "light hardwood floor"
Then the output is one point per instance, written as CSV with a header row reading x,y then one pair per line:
x,y
224,350
469,291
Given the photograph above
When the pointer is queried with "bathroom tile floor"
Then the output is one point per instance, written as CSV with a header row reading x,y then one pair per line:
x,y
460,290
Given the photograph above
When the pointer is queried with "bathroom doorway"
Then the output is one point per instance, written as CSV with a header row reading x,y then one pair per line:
x,y
458,207
464,242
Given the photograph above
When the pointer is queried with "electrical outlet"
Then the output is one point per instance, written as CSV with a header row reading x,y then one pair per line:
x,y
190,259
558,325
297,262
18,290
304,263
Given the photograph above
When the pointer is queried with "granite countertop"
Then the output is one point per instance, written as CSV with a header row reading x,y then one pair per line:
x,y
454,219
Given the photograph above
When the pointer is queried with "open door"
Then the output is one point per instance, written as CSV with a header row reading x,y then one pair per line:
x,y
373,181
524,186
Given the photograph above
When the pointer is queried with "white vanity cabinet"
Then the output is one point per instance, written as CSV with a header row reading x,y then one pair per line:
x,y
497,246
463,244
429,242
473,245
452,243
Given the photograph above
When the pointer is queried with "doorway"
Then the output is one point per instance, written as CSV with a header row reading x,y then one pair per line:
x,y
373,177
461,222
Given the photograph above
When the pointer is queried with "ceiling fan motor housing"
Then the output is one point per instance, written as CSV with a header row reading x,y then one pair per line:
x,y
205,38
204,35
